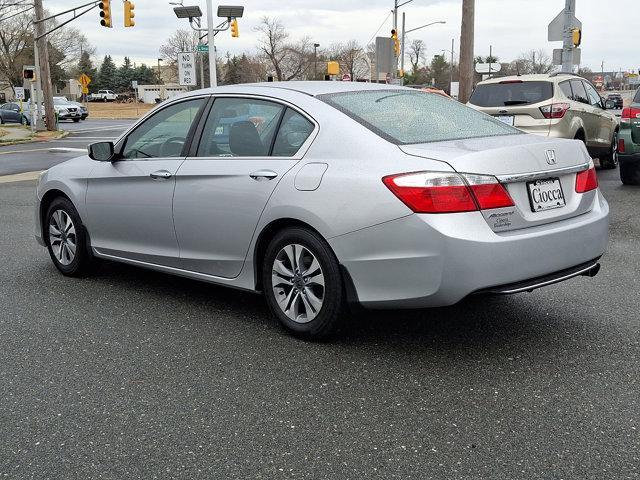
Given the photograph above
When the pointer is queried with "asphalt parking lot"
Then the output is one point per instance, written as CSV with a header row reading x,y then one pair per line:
x,y
131,374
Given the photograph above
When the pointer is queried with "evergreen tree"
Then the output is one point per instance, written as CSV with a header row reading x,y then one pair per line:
x,y
125,75
106,78
233,74
85,65
144,75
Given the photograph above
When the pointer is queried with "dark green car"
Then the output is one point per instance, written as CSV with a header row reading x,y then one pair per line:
x,y
629,143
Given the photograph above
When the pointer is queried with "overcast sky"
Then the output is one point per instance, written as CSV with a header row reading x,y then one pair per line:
x,y
511,26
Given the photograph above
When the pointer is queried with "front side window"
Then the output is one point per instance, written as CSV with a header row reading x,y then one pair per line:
x,y
594,96
406,116
240,127
163,134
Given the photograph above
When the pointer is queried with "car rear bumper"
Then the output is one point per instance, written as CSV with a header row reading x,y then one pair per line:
x,y
437,260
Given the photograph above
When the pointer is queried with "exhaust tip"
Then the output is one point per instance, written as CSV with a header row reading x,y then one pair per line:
x,y
592,272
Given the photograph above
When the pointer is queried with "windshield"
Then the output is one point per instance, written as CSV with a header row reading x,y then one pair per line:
x,y
511,93
60,101
406,116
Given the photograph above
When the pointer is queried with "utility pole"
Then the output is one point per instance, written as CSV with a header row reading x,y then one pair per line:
x,y
213,73
567,36
466,50
451,68
44,74
404,33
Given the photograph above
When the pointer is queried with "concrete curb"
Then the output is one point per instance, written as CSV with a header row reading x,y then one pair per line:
x,y
20,177
35,139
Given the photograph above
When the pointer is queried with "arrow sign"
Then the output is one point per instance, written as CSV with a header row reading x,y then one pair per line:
x,y
556,27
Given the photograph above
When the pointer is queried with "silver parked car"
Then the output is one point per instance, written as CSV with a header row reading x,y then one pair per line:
x,y
322,194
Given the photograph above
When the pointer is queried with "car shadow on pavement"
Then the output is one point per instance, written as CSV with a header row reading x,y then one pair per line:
x,y
478,322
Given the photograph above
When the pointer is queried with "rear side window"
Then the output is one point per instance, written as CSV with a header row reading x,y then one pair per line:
x,y
240,127
566,89
404,116
579,93
511,93
294,131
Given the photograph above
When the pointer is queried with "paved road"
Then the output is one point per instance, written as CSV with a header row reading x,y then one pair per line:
x,y
30,157
131,374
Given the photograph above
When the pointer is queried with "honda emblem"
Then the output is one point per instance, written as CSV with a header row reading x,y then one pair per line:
x,y
551,157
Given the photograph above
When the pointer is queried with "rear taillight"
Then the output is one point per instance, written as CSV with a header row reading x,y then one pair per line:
x,y
555,110
621,146
433,192
586,180
629,113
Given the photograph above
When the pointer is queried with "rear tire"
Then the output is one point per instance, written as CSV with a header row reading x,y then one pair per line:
x,y
302,284
610,160
630,173
76,120
66,239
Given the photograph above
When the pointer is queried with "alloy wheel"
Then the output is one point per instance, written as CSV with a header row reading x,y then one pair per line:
x,y
298,283
62,237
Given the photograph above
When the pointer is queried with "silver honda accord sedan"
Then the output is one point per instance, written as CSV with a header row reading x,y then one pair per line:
x,y
323,195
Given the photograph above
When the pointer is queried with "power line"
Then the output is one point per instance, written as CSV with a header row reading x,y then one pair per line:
x,y
379,28
16,14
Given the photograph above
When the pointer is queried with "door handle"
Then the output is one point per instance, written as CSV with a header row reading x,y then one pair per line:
x,y
161,175
262,175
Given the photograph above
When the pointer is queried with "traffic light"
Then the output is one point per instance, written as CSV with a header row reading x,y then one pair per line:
x,y
396,42
105,13
29,73
129,13
235,33
576,36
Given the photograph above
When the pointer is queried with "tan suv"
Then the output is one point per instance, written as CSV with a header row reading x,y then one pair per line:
x,y
559,105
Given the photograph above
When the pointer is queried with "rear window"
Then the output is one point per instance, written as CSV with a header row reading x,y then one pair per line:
x,y
510,94
406,116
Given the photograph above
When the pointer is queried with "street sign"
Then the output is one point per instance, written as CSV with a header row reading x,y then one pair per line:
x,y
557,56
488,67
134,84
187,68
556,27
85,90
203,48
84,80
19,91
346,77
385,58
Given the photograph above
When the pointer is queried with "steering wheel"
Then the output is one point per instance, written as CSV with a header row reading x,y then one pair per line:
x,y
169,147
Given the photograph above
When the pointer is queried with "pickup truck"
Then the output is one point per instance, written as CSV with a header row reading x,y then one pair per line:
x,y
103,96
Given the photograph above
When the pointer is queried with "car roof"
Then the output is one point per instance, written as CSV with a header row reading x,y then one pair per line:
x,y
305,87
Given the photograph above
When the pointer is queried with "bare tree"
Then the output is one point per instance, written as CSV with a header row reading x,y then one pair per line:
x,y
289,60
533,61
417,50
16,47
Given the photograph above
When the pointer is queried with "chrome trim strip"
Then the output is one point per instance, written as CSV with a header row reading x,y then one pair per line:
x,y
533,286
526,177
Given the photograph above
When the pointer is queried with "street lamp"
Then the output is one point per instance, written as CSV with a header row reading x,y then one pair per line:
x,y
315,60
450,66
193,13
404,33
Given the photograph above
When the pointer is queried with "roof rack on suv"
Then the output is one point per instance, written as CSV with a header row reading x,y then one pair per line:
x,y
555,74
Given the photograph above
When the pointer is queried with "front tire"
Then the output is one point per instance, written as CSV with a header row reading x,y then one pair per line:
x,y
303,284
67,239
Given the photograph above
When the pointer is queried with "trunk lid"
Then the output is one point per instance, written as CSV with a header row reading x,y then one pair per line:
x,y
519,161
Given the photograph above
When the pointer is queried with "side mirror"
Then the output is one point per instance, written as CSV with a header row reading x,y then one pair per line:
x,y
101,151
609,104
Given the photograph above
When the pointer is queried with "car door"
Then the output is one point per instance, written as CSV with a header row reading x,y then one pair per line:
x,y
603,124
247,145
12,113
129,200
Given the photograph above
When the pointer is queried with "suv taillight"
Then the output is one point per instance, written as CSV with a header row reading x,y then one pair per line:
x,y
435,192
629,113
555,110
586,180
